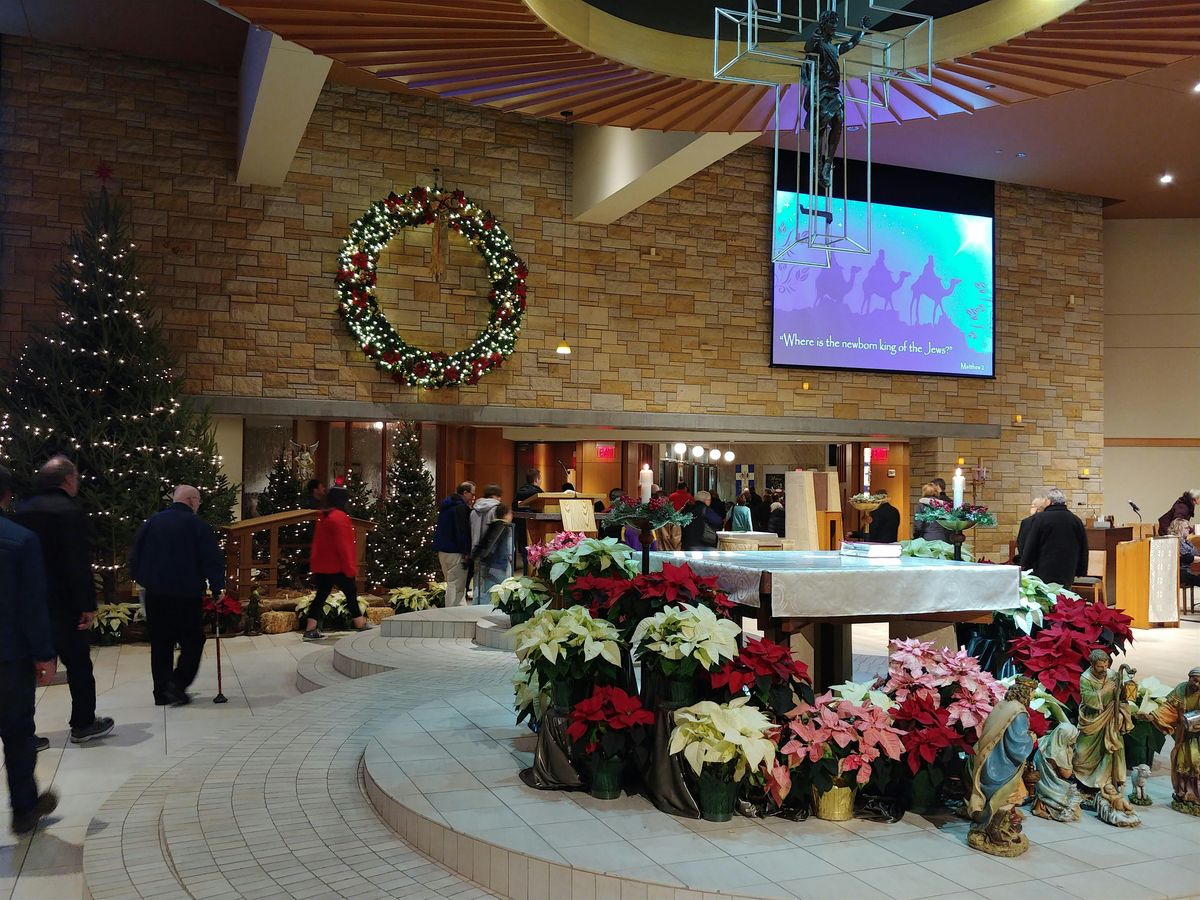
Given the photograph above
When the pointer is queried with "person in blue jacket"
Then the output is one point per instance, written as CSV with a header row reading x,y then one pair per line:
x,y
26,660
176,558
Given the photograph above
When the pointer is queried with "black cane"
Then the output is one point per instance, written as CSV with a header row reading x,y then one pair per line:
x,y
220,698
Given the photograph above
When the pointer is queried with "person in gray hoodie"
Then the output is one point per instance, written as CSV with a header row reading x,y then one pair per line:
x,y
482,514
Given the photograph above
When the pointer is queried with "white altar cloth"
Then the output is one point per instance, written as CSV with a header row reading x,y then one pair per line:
x,y
823,584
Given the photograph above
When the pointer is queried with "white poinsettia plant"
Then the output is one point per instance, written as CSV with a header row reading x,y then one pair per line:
x,y
591,556
531,697
336,607
409,599
920,548
1150,695
1044,702
112,618
519,593
679,638
1034,599
567,644
733,737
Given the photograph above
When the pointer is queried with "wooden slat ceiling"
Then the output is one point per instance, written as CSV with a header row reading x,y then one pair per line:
x,y
497,53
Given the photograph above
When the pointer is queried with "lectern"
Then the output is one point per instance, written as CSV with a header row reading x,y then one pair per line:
x,y
1148,581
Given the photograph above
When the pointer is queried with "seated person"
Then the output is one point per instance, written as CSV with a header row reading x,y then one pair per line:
x,y
1187,552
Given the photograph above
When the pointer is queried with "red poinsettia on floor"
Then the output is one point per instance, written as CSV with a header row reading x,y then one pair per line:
x,y
1057,655
608,722
770,672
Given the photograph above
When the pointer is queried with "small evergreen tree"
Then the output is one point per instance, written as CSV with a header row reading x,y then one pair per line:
x,y
283,491
400,551
362,503
100,387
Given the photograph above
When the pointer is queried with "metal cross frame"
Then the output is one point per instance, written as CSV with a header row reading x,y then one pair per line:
x,y
767,39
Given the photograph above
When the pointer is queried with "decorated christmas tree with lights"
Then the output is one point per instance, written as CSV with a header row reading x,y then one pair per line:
x,y
362,503
283,490
99,386
401,548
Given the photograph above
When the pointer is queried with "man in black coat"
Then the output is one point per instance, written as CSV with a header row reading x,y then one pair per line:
x,y
62,528
885,523
530,489
1038,504
26,661
177,559
1056,546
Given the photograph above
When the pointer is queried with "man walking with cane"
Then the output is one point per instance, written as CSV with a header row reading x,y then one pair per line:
x,y
175,558
26,660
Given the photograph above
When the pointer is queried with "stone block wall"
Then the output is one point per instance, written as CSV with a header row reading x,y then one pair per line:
x,y
243,275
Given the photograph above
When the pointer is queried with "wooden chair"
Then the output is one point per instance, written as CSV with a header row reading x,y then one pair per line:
x,y
1093,582
1187,592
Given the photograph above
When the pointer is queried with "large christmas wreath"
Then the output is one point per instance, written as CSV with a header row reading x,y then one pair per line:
x,y
356,278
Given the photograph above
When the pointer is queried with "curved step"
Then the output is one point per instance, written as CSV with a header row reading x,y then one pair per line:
x,y
492,631
316,671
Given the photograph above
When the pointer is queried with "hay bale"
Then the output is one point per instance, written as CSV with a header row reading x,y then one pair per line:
x,y
377,614
279,622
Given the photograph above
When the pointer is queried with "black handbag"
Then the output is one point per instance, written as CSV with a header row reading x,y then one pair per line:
x,y
709,537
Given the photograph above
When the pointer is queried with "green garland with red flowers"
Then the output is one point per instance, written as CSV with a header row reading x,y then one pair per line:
x,y
356,277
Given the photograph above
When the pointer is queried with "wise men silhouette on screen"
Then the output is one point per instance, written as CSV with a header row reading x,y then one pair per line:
x,y
833,284
879,283
928,284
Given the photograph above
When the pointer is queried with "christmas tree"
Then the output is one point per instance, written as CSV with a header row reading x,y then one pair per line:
x,y
400,551
99,386
284,492
362,503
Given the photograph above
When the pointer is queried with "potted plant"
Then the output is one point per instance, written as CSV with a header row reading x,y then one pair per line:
x,y
942,699
831,745
590,556
609,730
113,618
674,643
224,613
920,548
569,650
437,594
531,698
773,677
336,610
409,599
537,553
722,743
1145,740
519,596
626,603
954,519
657,512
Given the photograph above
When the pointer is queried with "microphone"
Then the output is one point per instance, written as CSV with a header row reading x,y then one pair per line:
x,y
1134,507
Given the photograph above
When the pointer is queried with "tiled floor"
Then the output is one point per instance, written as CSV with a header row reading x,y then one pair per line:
x,y
282,783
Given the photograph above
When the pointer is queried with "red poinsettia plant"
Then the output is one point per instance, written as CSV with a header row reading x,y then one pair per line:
x,y
773,677
1057,654
227,610
625,602
609,723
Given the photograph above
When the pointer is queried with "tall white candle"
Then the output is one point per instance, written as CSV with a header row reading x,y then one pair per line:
x,y
959,483
645,481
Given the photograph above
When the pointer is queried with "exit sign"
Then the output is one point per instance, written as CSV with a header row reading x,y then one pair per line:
x,y
879,455
606,452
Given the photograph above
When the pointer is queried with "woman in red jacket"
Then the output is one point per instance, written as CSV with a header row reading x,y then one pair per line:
x,y
333,562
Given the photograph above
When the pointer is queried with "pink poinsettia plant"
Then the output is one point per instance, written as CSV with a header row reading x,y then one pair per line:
x,y
834,741
943,698
538,552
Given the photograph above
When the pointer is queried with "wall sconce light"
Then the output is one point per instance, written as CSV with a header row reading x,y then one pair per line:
x,y
804,385
680,449
697,451
728,456
1018,421
1085,474
714,454
962,461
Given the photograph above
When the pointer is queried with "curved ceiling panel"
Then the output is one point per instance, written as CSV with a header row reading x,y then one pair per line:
x,y
498,53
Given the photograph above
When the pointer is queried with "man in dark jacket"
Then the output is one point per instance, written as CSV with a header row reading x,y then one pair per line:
x,y
62,529
696,536
531,488
177,559
452,541
1183,508
885,523
1056,546
26,661
1038,504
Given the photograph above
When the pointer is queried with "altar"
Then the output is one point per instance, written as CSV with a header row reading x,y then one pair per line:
x,y
811,597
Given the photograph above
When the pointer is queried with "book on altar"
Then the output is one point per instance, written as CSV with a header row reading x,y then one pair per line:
x,y
873,551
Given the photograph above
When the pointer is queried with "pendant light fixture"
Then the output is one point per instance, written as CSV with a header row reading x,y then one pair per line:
x,y
564,349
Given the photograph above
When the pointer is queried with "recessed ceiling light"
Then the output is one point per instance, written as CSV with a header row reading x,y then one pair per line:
x,y
1001,150
988,87
1021,154
1166,178
1196,88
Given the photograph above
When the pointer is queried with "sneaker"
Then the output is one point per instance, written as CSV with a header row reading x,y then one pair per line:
x,y
313,635
41,743
100,726
181,698
27,821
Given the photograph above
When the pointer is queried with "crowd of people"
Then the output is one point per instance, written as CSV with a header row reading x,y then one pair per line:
x,y
49,605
